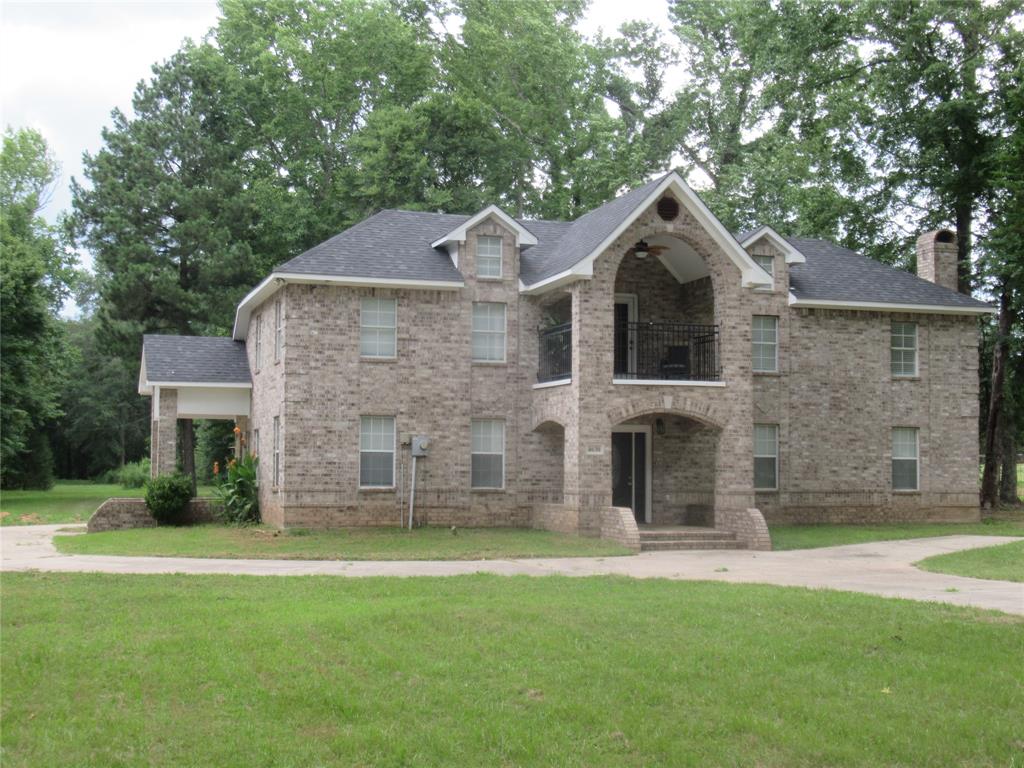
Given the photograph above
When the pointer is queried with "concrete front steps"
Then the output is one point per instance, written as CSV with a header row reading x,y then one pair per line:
x,y
682,537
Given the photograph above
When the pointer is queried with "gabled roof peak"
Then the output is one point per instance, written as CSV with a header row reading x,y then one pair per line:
x,y
457,235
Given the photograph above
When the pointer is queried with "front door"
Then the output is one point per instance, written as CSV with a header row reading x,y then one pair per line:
x,y
629,472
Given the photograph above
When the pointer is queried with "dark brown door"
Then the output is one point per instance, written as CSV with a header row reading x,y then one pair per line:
x,y
629,472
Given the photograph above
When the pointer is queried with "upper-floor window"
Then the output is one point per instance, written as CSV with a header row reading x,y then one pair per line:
x,y
488,256
377,451
377,324
258,345
766,457
904,459
903,349
488,453
767,263
278,330
488,332
765,342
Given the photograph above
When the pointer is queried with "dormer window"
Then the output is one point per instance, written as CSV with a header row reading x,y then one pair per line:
x,y
488,257
767,263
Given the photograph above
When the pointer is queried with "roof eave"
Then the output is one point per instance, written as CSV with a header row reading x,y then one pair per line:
x,y
882,306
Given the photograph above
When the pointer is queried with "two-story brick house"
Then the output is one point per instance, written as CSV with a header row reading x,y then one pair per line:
x,y
638,366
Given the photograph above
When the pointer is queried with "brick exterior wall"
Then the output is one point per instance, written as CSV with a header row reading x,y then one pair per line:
x,y
164,433
833,400
121,514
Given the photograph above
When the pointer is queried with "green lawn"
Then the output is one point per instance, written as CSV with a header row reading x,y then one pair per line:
x,y
67,502
814,536
1004,562
340,544
103,670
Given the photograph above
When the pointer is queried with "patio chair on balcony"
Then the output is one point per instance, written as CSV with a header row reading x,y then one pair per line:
x,y
676,364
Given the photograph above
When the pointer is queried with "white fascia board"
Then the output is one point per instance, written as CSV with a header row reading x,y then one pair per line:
x,y
876,306
792,255
752,275
271,284
458,235
199,385
579,272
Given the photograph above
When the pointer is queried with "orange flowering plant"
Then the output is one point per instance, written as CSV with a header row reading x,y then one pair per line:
x,y
237,492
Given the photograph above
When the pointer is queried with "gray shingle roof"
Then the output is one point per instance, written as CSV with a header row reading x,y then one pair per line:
x,y
834,273
195,359
396,245
579,238
390,244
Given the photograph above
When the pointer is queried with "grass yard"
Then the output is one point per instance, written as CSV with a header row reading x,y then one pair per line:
x,y
67,502
1004,562
340,544
814,536
104,670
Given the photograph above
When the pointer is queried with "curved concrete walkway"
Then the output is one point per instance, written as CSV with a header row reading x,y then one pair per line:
x,y
878,568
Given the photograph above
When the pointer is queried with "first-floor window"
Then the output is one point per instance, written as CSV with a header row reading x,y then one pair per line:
x,y
488,453
766,457
764,337
377,451
277,451
904,459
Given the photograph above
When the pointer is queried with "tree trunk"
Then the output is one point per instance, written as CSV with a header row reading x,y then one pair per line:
x,y
964,218
188,451
1000,353
1008,479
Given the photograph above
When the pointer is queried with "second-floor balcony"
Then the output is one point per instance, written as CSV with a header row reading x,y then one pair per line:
x,y
644,351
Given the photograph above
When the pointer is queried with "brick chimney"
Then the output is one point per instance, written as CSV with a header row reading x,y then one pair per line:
x,y
936,258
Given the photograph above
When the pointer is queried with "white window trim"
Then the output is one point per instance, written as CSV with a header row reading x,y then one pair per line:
x,y
917,460
775,456
501,257
394,453
775,346
472,453
377,327
770,269
504,334
278,330
916,349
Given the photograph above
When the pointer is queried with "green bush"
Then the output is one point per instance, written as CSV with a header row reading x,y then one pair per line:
x,y
167,497
237,492
134,474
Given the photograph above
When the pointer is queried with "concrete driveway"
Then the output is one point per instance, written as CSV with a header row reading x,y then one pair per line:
x,y
879,568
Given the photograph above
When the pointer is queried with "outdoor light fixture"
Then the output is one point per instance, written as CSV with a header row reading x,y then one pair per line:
x,y
659,426
641,249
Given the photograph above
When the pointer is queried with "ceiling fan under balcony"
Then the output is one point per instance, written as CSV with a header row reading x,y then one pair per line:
x,y
641,250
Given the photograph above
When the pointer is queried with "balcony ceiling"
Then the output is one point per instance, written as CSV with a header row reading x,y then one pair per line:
x,y
680,259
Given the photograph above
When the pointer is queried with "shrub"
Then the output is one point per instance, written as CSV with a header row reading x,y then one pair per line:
x,y
167,497
237,492
135,474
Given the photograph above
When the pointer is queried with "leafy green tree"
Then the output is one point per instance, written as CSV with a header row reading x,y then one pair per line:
x,y
35,278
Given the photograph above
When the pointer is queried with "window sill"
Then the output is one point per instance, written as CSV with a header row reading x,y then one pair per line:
x,y
555,383
487,490
906,378
492,363
907,491
769,374
375,489
490,279
364,359
766,490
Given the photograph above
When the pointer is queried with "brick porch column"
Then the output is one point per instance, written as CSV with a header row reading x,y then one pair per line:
x,y
163,440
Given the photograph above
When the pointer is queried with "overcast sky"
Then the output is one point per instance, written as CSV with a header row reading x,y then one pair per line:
x,y
65,65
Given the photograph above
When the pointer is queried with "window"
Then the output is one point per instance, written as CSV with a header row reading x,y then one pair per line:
x,y
904,459
258,346
278,330
488,332
488,256
377,452
765,338
767,263
377,327
277,452
766,457
488,453
903,349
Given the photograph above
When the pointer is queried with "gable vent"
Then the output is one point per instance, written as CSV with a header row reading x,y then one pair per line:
x,y
668,208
